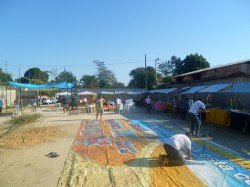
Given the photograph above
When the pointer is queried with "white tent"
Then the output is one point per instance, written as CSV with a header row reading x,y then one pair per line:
x,y
86,93
63,94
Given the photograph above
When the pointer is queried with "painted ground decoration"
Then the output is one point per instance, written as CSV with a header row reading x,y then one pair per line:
x,y
121,152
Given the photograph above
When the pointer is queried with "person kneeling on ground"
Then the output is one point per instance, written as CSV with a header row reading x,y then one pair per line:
x,y
173,147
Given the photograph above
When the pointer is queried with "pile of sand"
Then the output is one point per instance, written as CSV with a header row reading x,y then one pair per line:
x,y
29,137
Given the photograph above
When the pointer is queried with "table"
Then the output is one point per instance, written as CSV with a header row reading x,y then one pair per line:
x,y
162,106
240,120
218,116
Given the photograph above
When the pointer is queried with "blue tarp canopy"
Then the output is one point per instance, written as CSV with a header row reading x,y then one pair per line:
x,y
240,87
180,90
194,89
136,92
41,86
166,90
215,88
162,90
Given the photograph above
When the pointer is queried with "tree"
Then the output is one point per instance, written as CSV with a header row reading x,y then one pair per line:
x,y
53,73
118,85
104,75
167,68
89,81
5,77
191,63
36,74
67,77
139,78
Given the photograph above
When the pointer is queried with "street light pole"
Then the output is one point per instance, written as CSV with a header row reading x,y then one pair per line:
x,y
6,102
146,79
156,71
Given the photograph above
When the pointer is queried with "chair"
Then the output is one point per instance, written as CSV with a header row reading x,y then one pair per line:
x,y
119,107
129,105
126,108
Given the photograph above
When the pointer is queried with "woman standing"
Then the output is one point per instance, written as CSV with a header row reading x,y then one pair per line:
x,y
148,104
99,107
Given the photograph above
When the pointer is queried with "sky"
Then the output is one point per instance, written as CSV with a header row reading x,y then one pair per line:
x,y
58,35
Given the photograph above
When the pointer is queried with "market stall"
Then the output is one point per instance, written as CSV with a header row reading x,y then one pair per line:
x,y
240,114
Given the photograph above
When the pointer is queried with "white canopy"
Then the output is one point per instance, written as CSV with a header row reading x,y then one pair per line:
x,y
63,93
86,93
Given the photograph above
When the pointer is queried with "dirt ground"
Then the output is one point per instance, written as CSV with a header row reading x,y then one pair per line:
x,y
23,152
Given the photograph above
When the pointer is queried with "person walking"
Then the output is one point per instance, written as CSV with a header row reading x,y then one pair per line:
x,y
195,120
65,104
148,104
174,147
33,104
99,107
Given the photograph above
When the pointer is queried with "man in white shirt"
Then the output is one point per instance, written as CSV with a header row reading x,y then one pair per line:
x,y
173,147
195,120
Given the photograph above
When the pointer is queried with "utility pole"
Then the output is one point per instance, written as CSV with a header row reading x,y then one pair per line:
x,y
146,83
6,89
29,74
156,83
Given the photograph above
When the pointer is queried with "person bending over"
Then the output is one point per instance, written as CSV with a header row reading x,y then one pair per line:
x,y
195,121
174,147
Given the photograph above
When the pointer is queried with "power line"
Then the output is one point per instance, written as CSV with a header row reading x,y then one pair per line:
x,y
81,65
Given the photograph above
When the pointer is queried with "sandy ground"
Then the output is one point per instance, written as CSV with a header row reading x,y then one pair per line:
x,y
23,152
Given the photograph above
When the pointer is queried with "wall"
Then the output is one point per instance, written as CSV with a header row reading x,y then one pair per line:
x,y
11,95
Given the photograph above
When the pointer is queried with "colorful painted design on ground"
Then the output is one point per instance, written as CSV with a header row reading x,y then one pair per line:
x,y
91,132
98,140
115,126
125,147
123,134
90,122
111,121
214,165
90,127
145,131
105,166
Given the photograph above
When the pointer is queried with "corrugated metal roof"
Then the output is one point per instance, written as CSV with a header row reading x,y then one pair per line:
x,y
180,90
215,87
214,67
162,90
240,87
194,89
167,90
136,92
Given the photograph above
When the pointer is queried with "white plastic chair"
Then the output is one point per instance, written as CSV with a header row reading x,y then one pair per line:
x,y
119,107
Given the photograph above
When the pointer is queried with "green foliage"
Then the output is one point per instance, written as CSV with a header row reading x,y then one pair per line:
x,y
66,76
23,119
36,73
176,66
15,122
191,63
118,85
104,84
167,68
4,77
104,76
49,92
139,78
166,79
89,81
